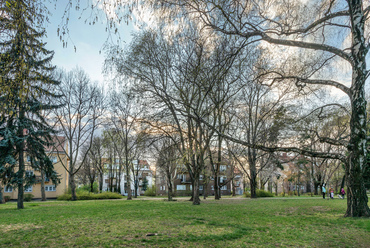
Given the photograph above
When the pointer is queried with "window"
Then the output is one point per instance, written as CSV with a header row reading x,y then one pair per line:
x,y
28,159
200,187
181,187
182,177
222,167
29,173
201,177
224,187
8,189
50,188
191,187
54,159
212,178
222,179
28,189
212,188
164,187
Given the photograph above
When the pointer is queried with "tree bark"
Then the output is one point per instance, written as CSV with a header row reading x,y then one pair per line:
x,y
73,186
21,169
43,195
2,200
196,199
356,194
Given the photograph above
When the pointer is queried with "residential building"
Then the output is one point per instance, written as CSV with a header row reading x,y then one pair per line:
x,y
56,155
114,178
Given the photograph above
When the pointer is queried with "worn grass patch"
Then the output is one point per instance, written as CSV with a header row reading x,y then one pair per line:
x,y
155,223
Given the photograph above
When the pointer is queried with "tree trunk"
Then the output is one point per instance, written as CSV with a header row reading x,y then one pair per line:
x,y
196,199
21,168
215,187
73,186
2,200
91,186
101,182
129,195
43,195
169,192
356,194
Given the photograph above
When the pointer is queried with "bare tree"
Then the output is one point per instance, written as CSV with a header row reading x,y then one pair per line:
x,y
78,119
168,159
308,26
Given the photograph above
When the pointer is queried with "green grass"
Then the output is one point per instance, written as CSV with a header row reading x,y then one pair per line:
x,y
273,222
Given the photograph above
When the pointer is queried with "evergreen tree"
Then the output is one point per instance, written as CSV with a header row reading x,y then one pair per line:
x,y
26,91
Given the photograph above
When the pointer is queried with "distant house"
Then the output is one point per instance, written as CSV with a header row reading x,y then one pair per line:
x,y
114,178
182,185
51,190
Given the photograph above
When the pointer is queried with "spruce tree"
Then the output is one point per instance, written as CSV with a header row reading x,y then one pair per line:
x,y
27,87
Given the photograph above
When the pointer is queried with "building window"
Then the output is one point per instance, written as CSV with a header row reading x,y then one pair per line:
x,y
222,167
224,187
181,187
29,173
50,188
53,159
8,189
201,177
28,189
28,159
222,179
200,187
212,188
164,187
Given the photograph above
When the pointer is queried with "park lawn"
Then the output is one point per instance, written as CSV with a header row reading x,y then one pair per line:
x,y
275,222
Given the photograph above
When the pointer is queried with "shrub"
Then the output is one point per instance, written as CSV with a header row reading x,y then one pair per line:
x,y
263,193
88,189
28,197
64,197
150,191
6,198
259,193
90,196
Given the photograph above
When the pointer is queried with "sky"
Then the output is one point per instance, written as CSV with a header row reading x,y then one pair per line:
x,y
89,41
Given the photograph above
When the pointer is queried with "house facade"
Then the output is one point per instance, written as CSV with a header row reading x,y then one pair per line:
x,y
114,178
56,155
182,184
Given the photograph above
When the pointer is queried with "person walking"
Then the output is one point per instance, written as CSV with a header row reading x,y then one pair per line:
x,y
323,190
342,192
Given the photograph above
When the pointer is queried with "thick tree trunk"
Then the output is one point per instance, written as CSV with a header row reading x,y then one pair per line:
x,y
2,200
196,199
43,195
215,187
356,194
101,182
253,184
129,195
73,186
169,192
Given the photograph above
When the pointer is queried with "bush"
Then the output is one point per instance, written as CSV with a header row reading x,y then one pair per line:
x,y
6,198
87,188
150,191
90,196
28,197
259,193
263,193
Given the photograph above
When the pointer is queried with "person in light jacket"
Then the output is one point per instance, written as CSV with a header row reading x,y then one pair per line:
x,y
323,190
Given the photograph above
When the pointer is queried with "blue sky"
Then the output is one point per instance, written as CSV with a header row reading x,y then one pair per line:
x,y
88,39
